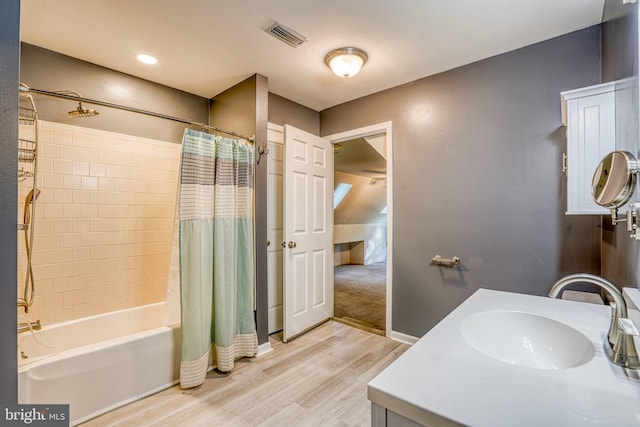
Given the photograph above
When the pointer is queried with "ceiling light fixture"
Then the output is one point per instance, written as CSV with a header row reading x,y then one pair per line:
x,y
346,61
147,59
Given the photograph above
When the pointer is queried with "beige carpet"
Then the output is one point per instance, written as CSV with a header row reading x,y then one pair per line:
x,y
360,295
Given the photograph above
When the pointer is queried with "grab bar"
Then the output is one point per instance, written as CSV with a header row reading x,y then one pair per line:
x,y
445,262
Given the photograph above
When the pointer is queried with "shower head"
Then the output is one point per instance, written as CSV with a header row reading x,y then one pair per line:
x,y
28,201
82,111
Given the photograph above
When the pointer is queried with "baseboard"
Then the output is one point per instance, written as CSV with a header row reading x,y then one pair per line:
x,y
264,349
403,338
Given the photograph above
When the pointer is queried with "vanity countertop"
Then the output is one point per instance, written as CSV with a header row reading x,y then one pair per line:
x,y
443,381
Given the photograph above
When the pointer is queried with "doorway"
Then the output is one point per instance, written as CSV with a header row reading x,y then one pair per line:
x,y
362,227
275,216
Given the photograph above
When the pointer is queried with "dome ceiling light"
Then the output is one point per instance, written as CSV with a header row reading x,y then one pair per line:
x,y
346,61
147,59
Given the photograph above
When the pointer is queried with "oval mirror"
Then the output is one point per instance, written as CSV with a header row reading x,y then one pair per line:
x,y
615,179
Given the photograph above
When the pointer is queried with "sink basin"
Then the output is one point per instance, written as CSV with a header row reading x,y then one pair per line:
x,y
526,339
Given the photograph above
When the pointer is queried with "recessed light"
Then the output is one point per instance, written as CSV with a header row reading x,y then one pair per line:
x,y
147,59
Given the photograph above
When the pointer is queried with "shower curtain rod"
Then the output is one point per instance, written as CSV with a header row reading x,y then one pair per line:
x,y
133,110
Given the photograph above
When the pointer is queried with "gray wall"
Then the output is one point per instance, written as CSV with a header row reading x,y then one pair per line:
x,y
286,112
476,173
243,108
44,69
9,80
620,61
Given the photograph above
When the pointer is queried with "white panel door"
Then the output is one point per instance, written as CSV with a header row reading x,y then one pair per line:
x,y
275,139
308,231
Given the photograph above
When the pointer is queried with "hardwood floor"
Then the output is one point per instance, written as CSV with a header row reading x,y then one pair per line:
x,y
318,379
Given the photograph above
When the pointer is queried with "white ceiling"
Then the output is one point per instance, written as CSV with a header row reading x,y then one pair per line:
x,y
207,46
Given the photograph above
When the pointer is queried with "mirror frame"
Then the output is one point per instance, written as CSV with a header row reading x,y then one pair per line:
x,y
621,165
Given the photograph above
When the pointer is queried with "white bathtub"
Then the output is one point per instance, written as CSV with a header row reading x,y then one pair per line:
x,y
102,362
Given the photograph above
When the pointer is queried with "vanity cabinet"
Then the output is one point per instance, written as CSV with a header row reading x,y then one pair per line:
x,y
589,116
382,417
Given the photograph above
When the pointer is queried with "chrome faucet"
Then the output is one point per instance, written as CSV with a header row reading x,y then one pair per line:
x,y
26,326
620,347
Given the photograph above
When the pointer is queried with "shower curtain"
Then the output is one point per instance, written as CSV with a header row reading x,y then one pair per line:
x,y
216,258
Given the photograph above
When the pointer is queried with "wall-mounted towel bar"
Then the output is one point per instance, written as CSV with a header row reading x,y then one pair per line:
x,y
445,262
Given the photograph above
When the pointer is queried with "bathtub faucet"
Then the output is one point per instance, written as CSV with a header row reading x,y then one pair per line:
x,y
619,347
26,326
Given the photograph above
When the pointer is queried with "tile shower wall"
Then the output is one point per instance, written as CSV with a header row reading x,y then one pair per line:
x,y
104,221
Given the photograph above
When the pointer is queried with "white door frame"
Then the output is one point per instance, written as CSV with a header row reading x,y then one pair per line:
x,y
387,128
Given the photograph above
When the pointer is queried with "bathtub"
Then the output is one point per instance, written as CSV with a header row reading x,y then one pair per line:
x,y
99,363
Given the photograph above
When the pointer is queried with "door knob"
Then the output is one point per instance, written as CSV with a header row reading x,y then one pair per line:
x,y
292,245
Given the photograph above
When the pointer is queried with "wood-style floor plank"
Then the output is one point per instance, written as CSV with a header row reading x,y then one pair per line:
x,y
318,379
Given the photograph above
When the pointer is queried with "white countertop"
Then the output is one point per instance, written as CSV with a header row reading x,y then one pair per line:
x,y
443,381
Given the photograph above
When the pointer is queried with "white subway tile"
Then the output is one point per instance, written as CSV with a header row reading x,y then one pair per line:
x,y
42,256
106,211
90,155
89,183
62,166
98,252
72,240
97,169
62,137
81,168
72,211
62,314
62,256
62,196
51,151
72,153
43,226
107,157
89,211
52,271
98,224
45,165
72,298
62,284
90,267
52,211
81,196
80,254
81,140
90,239
72,269
72,182
80,225
53,301
45,134
90,294
62,226
52,241
53,180
105,183
83,310
121,222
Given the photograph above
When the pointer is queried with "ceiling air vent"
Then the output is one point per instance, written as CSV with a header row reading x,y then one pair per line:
x,y
285,34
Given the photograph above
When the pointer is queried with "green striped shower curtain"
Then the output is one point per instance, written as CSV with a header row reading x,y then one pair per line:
x,y
216,254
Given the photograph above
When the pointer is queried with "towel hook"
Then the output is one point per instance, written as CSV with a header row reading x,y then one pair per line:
x,y
262,151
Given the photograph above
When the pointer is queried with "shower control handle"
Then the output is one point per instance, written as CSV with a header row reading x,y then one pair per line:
x,y
292,245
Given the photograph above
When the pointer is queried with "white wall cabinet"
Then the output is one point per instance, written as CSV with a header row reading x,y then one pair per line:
x,y
589,115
